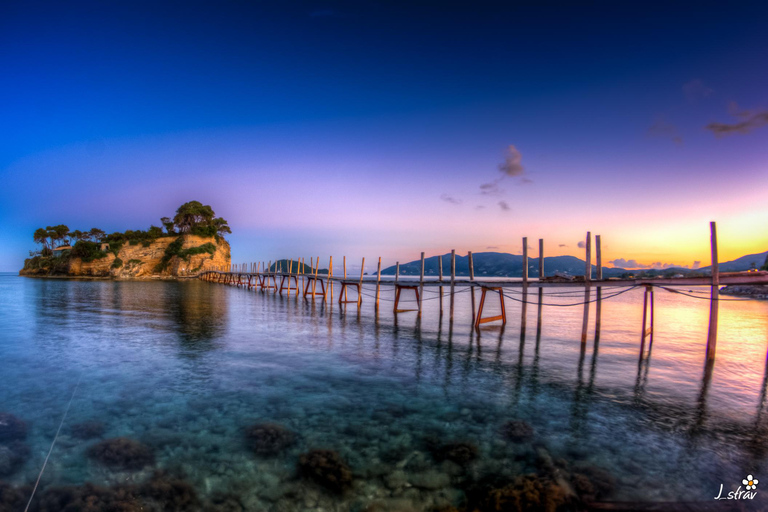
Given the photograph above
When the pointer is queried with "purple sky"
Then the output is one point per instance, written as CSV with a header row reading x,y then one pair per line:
x,y
371,131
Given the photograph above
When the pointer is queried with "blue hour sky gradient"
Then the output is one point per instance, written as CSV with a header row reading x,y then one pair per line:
x,y
387,129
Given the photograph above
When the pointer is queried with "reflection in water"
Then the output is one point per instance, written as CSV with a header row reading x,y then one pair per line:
x,y
373,388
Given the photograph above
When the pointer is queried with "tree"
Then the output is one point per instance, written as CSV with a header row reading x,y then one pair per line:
x,y
155,232
41,236
765,265
191,215
96,234
58,234
168,225
221,226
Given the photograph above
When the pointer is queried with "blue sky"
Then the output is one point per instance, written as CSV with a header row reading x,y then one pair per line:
x,y
368,129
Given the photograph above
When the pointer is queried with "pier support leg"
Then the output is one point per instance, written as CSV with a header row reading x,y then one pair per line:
x,y
647,331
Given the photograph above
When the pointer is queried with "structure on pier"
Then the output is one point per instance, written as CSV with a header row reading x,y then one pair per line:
x,y
265,277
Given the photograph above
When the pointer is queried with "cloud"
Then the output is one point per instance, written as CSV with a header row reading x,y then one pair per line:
x,y
490,189
562,245
695,90
664,129
504,206
634,264
582,245
512,165
449,199
492,247
750,120
480,207
696,264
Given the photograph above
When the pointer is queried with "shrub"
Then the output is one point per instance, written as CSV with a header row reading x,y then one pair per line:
x,y
117,263
87,251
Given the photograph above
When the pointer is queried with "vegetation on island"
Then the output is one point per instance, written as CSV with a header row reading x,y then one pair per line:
x,y
59,244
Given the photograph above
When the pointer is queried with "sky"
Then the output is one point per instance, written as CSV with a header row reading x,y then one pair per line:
x,y
372,129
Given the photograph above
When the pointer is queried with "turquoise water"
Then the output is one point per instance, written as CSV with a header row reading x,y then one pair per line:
x,y
186,367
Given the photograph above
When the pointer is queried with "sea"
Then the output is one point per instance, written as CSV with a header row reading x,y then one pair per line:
x,y
228,398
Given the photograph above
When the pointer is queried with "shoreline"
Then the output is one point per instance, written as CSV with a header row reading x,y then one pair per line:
x,y
109,278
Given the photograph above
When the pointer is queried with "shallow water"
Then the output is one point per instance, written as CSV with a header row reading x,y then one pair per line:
x,y
185,367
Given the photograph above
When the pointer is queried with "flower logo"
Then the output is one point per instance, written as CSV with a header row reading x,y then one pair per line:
x,y
750,482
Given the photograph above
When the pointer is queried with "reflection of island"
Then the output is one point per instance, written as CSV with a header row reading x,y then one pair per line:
x,y
199,313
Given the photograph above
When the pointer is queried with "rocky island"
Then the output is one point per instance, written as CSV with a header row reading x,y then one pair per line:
x,y
191,241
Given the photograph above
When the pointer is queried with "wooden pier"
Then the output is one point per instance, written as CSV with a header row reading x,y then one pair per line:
x,y
265,276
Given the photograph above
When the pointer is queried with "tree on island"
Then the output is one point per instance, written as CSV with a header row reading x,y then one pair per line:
x,y
198,219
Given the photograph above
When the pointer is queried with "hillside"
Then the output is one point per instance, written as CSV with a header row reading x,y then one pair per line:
x,y
741,264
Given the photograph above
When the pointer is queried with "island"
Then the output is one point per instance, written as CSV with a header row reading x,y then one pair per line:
x,y
191,241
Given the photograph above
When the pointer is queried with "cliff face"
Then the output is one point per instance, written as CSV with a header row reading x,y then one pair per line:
x,y
137,261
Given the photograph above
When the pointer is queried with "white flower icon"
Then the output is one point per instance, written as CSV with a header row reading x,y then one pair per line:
x,y
750,482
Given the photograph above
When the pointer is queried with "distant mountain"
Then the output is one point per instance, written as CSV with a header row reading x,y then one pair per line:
x,y
499,264
741,264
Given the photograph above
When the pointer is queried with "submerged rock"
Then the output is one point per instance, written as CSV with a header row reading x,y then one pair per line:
x,y
268,439
88,498
517,431
592,483
327,468
13,498
87,429
12,457
462,453
170,493
11,428
529,493
122,453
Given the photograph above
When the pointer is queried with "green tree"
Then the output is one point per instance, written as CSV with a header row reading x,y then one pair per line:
x,y
155,232
58,234
221,226
41,236
191,215
765,265
168,225
96,234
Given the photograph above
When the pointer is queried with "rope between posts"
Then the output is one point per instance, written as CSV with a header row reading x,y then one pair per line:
x,y
53,443
575,303
672,290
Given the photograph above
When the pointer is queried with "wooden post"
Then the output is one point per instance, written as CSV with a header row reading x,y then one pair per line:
x,y
330,280
314,281
421,284
714,304
344,261
378,280
397,271
360,288
588,258
453,279
471,280
525,262
599,301
587,277
440,279
541,259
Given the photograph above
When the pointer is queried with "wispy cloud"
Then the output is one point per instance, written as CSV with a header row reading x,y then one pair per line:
x,y
504,206
696,90
512,165
492,247
749,121
449,199
658,265
490,189
582,245
664,129
562,245
696,264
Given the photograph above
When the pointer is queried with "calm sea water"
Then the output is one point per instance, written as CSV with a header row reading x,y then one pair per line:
x,y
185,367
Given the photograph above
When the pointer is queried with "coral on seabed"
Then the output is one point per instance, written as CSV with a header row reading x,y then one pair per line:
x,y
461,453
11,428
517,431
87,498
122,453
12,457
269,439
87,429
592,483
327,468
13,498
525,493
170,493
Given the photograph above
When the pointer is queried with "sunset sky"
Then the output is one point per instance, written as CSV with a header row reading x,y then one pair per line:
x,y
372,129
